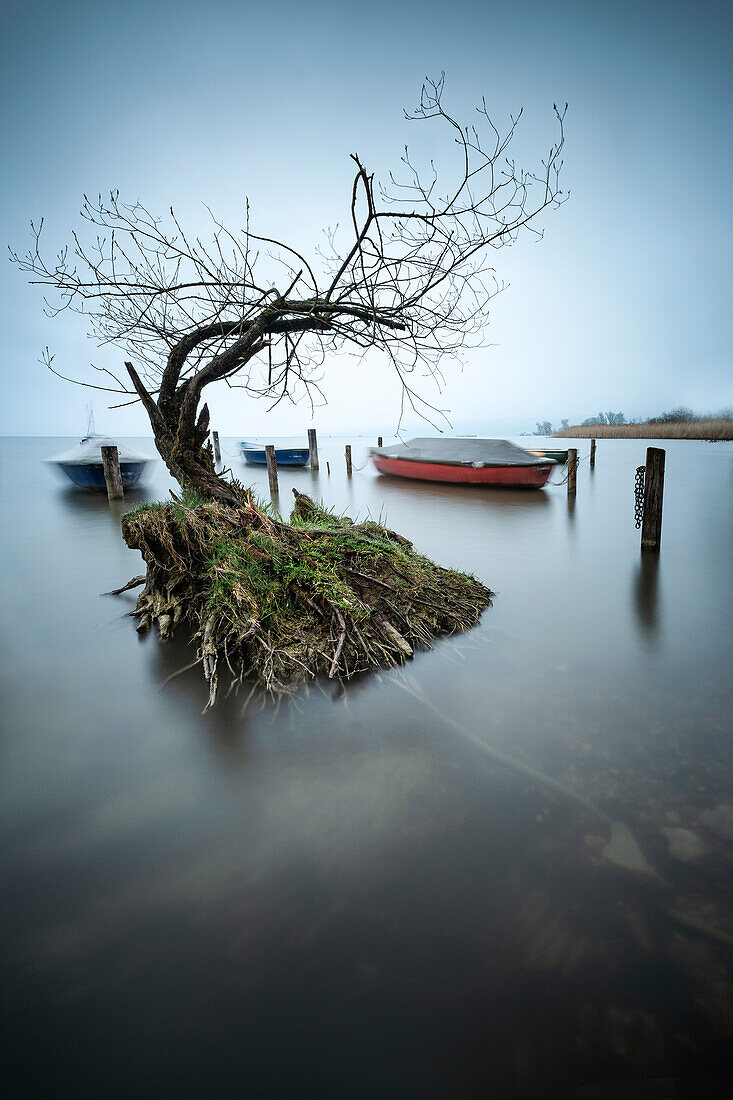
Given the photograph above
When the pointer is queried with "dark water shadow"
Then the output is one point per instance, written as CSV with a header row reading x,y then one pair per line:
x,y
90,504
646,596
504,499
227,722
571,512
282,468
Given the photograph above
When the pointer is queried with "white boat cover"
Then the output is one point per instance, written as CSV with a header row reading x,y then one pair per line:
x,y
455,451
88,451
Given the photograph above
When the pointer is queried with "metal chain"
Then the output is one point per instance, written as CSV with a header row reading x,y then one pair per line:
x,y
563,481
358,469
639,494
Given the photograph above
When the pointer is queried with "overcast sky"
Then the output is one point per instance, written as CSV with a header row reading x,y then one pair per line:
x,y
625,303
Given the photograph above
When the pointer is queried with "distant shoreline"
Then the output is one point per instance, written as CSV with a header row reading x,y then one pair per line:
x,y
689,429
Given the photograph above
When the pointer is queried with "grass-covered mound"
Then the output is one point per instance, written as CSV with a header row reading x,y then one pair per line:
x,y
281,603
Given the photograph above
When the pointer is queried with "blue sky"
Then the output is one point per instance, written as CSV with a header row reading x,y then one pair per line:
x,y
623,305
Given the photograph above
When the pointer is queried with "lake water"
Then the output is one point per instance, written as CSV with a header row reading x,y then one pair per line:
x,y
400,889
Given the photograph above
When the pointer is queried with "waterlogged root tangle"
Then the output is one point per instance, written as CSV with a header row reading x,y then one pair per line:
x,y
281,603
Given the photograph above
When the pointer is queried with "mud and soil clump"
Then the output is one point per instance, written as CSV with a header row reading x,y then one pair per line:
x,y
280,603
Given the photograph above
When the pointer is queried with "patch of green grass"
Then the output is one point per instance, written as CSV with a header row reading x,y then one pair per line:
x,y
147,506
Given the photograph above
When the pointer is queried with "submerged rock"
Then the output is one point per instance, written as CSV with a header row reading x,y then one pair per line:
x,y
704,916
623,850
684,844
719,821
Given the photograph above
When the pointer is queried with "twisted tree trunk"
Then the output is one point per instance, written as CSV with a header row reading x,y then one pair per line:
x,y
181,439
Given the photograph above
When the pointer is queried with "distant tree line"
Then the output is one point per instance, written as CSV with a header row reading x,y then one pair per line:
x,y
606,418
679,415
544,427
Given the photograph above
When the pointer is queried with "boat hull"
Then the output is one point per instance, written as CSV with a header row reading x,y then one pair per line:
x,y
524,477
90,475
285,456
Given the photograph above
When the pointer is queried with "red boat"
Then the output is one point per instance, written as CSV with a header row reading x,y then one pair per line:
x,y
464,462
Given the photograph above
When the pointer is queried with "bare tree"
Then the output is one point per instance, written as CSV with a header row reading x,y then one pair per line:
x,y
414,282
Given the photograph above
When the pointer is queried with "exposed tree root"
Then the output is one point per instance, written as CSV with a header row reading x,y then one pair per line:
x,y
281,603
134,583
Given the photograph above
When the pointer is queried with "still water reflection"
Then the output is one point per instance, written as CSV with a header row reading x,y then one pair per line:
x,y
502,871
645,591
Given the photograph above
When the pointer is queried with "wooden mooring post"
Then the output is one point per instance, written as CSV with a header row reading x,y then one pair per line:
x,y
112,473
271,467
572,470
592,454
312,449
217,448
651,524
348,458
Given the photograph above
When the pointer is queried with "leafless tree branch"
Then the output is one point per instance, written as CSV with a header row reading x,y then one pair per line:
x,y
413,280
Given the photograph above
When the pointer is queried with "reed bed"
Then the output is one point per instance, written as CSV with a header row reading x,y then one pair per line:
x,y
691,429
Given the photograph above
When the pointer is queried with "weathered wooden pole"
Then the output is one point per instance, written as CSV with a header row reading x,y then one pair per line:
x,y
271,467
312,449
328,467
112,473
348,459
651,524
217,449
379,441
592,453
572,470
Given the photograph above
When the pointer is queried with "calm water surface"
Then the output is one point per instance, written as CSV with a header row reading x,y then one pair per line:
x,y
403,888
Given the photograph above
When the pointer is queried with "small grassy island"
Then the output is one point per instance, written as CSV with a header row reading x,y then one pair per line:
x,y
282,603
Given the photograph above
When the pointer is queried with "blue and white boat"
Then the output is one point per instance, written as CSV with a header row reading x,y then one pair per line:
x,y
82,464
254,455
